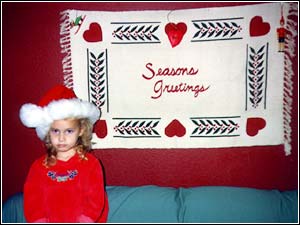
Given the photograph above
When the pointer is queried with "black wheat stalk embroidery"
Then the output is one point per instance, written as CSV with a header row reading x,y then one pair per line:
x,y
214,127
256,76
134,33
137,128
97,79
218,29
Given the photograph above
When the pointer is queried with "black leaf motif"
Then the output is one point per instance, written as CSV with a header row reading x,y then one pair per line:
x,y
141,37
217,122
261,49
154,29
201,121
133,29
260,57
135,123
148,28
252,50
211,24
219,25
195,130
141,28
218,34
260,71
147,37
142,123
230,131
100,55
119,29
102,96
260,78
195,122
251,72
233,33
211,34
217,130
225,33
234,24
118,36
155,124
197,26
148,124
211,123
128,123
204,33
197,33
209,131
156,38
251,86
127,37
121,123
204,25
227,25
127,28
224,122
260,64
202,130
230,121
93,56
133,37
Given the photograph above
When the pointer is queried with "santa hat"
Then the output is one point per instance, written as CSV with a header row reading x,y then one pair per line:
x,y
58,103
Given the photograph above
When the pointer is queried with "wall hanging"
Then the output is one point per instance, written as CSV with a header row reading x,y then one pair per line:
x,y
193,78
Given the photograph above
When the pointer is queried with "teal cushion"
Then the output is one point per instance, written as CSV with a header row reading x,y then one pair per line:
x,y
217,204
13,210
144,204
289,207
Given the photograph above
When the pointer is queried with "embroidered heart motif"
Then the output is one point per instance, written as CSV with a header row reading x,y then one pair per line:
x,y
254,125
100,128
93,34
175,32
258,27
175,128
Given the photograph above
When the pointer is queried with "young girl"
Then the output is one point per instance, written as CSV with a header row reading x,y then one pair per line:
x,y
65,185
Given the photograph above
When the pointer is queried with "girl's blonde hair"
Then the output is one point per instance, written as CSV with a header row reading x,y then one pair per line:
x,y
83,143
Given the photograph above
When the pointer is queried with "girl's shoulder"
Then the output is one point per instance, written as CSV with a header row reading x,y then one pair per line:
x,y
39,161
38,164
91,156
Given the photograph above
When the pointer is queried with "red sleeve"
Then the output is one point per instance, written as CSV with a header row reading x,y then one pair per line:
x,y
34,207
96,204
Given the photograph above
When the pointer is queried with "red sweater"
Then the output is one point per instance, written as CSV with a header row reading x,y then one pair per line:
x,y
66,191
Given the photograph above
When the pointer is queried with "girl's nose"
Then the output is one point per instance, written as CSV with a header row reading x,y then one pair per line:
x,y
61,137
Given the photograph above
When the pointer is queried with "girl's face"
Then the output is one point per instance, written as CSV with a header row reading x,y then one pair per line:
x,y
64,135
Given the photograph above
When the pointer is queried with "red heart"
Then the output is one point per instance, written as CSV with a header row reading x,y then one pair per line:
x,y
254,125
93,34
175,128
175,32
100,129
258,27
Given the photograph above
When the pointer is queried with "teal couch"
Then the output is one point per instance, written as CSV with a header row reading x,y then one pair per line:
x,y
208,204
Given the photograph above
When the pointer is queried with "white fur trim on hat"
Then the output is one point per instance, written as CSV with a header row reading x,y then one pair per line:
x,y
41,118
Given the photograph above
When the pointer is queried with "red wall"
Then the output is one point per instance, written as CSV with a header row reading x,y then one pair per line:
x,y
32,64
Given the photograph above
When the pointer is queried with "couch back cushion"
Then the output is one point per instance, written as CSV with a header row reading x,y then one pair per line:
x,y
216,204
144,204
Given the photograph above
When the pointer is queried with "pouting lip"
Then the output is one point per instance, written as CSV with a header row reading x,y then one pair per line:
x,y
62,145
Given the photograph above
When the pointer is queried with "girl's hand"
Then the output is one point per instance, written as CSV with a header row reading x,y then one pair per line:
x,y
84,219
